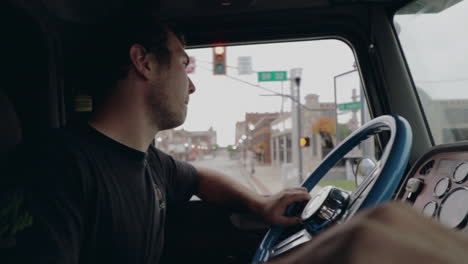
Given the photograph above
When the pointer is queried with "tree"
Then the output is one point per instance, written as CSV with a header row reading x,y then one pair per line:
x,y
343,131
325,126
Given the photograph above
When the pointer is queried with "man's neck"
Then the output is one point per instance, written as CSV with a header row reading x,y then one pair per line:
x,y
126,125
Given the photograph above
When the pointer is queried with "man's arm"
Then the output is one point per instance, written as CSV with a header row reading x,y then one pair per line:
x,y
218,188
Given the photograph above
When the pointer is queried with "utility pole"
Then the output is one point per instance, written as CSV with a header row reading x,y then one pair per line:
x,y
365,143
335,84
282,98
297,121
354,121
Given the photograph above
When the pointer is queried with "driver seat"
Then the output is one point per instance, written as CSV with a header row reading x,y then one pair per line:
x,y
24,95
10,134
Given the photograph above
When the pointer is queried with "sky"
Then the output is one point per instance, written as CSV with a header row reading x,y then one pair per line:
x,y
220,101
434,45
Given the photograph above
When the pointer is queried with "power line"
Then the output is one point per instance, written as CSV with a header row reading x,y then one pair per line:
x,y
271,91
442,81
227,66
249,83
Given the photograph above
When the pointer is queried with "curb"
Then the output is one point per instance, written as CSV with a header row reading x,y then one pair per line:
x,y
255,182
260,185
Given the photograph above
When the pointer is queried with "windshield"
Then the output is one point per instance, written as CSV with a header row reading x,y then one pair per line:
x,y
434,40
244,118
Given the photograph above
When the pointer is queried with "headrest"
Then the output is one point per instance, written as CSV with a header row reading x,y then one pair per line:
x,y
10,129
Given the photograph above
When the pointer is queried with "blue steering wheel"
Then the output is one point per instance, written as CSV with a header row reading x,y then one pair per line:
x,y
384,180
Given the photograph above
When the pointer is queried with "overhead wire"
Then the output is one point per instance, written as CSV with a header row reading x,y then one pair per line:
x,y
442,81
274,93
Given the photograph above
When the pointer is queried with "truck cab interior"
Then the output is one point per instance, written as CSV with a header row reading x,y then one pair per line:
x,y
47,54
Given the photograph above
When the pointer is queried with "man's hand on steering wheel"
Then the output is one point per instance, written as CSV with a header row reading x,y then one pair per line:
x,y
272,208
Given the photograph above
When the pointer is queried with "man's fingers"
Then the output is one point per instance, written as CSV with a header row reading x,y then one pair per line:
x,y
296,189
278,203
292,196
297,196
300,189
288,220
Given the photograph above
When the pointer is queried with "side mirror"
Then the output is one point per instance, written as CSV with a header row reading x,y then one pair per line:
x,y
363,168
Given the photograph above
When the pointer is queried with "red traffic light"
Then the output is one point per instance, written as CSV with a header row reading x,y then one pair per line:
x,y
219,50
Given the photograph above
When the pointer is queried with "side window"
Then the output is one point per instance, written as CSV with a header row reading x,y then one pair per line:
x,y
438,63
268,114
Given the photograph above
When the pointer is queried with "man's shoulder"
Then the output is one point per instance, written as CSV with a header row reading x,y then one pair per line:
x,y
162,157
167,162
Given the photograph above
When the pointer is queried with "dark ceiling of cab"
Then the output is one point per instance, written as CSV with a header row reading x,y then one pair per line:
x,y
205,22
91,11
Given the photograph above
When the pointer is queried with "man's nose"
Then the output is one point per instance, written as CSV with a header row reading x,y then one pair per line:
x,y
191,86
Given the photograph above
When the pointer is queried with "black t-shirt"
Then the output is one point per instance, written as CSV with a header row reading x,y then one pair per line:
x,y
85,198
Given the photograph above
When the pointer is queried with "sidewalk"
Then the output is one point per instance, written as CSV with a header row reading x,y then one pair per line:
x,y
267,179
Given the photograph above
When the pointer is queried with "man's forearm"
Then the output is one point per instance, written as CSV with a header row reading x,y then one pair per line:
x,y
218,188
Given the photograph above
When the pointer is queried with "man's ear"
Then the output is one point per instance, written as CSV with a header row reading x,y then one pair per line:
x,y
140,59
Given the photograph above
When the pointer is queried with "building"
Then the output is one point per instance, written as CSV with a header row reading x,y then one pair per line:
x,y
281,132
318,124
187,145
241,129
261,139
206,140
254,134
448,119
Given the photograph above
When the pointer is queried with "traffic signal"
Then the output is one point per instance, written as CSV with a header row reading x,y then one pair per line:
x,y
304,142
219,60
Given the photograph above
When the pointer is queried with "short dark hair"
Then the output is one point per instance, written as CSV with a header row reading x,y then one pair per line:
x,y
115,40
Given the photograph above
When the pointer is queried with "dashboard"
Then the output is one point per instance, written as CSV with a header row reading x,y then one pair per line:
x,y
437,185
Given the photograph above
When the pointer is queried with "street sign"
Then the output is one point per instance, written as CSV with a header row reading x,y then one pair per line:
x,y
244,65
272,76
349,106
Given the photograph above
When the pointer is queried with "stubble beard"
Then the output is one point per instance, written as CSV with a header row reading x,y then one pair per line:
x,y
161,113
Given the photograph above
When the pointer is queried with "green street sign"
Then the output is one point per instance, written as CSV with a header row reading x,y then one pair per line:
x,y
349,106
272,76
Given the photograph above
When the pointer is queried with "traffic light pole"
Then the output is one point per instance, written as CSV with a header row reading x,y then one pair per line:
x,y
297,121
296,116
299,128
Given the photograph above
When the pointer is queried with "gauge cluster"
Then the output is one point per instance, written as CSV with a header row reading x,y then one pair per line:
x,y
437,185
